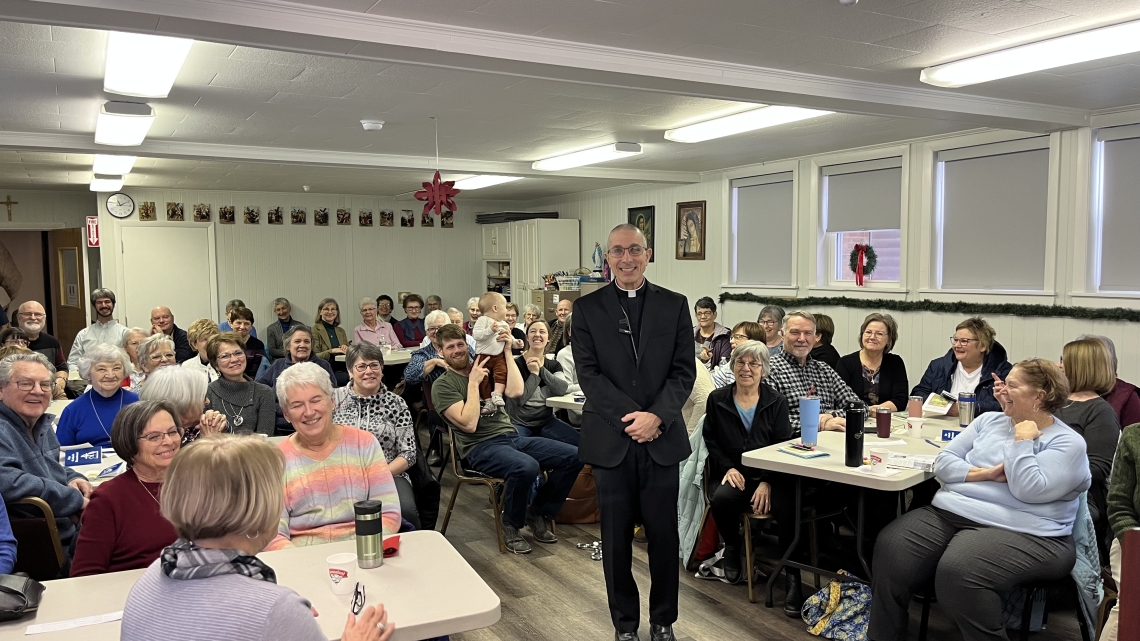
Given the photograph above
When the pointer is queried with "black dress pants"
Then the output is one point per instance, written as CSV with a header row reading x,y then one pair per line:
x,y
638,490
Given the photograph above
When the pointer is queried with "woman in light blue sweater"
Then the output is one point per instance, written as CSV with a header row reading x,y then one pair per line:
x,y
1004,516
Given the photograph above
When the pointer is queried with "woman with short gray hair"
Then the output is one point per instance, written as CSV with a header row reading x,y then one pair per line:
x,y
748,414
155,352
275,333
531,313
373,330
131,341
185,390
88,419
771,319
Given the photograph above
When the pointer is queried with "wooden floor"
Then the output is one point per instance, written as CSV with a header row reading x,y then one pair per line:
x,y
556,593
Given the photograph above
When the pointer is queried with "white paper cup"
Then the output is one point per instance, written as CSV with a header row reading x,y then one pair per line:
x,y
342,570
914,427
879,457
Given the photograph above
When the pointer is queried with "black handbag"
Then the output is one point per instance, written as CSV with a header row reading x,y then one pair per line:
x,y
19,595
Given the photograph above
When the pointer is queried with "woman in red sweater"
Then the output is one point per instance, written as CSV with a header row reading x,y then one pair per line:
x,y
123,527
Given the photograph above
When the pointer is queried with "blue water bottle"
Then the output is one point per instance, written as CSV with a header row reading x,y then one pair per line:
x,y
809,420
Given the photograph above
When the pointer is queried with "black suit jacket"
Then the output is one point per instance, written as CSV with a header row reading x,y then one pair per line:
x,y
182,349
615,383
893,385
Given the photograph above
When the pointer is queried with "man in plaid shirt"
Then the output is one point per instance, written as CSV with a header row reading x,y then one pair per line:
x,y
795,374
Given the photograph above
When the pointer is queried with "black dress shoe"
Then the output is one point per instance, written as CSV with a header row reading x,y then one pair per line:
x,y
793,595
661,633
731,563
625,636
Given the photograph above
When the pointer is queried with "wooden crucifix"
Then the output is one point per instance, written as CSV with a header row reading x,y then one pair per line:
x,y
9,202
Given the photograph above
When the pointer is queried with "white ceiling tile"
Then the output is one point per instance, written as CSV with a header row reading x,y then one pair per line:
x,y
27,63
24,31
687,28
833,20
985,16
1100,9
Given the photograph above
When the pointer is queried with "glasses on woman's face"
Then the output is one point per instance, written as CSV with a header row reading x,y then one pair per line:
x,y
366,367
954,340
229,356
739,337
871,334
367,310
702,313
155,438
16,341
164,357
750,365
768,322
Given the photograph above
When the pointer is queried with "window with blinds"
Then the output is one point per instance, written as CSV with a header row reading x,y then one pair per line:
x,y
992,212
1119,210
862,204
762,230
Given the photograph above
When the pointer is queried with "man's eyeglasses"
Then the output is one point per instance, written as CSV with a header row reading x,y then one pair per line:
x,y
633,250
358,599
32,315
157,437
27,386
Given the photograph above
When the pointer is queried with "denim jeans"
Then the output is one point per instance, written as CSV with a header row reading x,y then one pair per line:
x,y
554,429
519,459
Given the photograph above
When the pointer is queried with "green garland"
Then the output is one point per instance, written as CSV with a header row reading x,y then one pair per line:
x,y
871,261
960,307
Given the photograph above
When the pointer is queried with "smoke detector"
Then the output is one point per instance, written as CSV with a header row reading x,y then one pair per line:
x,y
372,125
305,187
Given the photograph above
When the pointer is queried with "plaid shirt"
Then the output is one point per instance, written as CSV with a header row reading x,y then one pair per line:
x,y
796,381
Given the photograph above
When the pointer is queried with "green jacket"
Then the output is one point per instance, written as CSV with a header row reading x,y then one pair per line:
x,y
321,342
1123,492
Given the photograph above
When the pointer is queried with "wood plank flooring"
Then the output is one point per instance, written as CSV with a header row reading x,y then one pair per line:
x,y
556,593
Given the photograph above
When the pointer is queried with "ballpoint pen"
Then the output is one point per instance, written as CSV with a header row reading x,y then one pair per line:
x,y
932,443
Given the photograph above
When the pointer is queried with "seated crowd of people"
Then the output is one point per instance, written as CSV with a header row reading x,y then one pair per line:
x,y
1013,486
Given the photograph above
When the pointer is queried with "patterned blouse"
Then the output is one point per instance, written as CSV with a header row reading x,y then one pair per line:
x,y
384,414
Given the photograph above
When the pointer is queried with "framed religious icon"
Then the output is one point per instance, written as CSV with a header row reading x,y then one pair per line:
x,y
644,218
691,230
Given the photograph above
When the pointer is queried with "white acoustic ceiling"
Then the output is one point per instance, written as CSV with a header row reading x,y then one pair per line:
x,y
257,100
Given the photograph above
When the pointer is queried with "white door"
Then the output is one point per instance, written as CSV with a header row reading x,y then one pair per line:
x,y
167,265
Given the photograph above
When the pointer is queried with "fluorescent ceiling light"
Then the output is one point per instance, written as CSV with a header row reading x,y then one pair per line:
x,y
479,182
118,165
106,182
741,122
123,124
143,65
593,156
1056,52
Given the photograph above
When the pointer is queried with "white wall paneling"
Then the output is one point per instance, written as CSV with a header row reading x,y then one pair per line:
x,y
306,263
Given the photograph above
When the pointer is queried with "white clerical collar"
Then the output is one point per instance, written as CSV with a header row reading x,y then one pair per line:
x,y
631,293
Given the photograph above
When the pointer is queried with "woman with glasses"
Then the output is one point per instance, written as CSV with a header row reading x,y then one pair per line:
x,y
744,331
14,336
367,405
246,404
329,338
746,415
876,375
88,419
710,336
350,462
531,313
410,330
223,498
185,390
155,351
373,330
771,319
298,349
974,359
123,527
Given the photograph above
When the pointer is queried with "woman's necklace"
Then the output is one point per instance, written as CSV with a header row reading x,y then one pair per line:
x,y
96,412
236,413
147,490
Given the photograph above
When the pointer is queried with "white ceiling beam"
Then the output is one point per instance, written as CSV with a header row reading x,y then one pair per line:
x,y
325,31
183,150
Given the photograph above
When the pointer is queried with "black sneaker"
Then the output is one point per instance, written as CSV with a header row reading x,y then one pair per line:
x,y
515,542
540,528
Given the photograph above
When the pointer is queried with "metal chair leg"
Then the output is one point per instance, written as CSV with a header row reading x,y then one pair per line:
x,y
748,557
813,548
924,622
450,505
1027,613
498,516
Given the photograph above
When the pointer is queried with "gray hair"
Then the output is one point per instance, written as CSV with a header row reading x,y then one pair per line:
x,y
282,301
103,353
366,301
234,304
472,302
757,350
300,375
9,362
1107,343
531,308
775,311
362,352
799,313
102,292
183,388
436,298
436,314
151,344
293,330
133,330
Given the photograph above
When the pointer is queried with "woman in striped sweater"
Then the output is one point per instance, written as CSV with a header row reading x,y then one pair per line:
x,y
328,467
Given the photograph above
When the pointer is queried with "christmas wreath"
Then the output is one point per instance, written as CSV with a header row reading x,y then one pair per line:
x,y
863,262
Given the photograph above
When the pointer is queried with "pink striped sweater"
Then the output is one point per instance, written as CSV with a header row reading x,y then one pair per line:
x,y
319,495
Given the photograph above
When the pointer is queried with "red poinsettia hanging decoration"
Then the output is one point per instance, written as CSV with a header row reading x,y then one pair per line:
x,y
438,195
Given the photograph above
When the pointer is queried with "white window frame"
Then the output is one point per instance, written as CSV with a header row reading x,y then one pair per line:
x,y
822,252
929,219
753,171
1096,216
